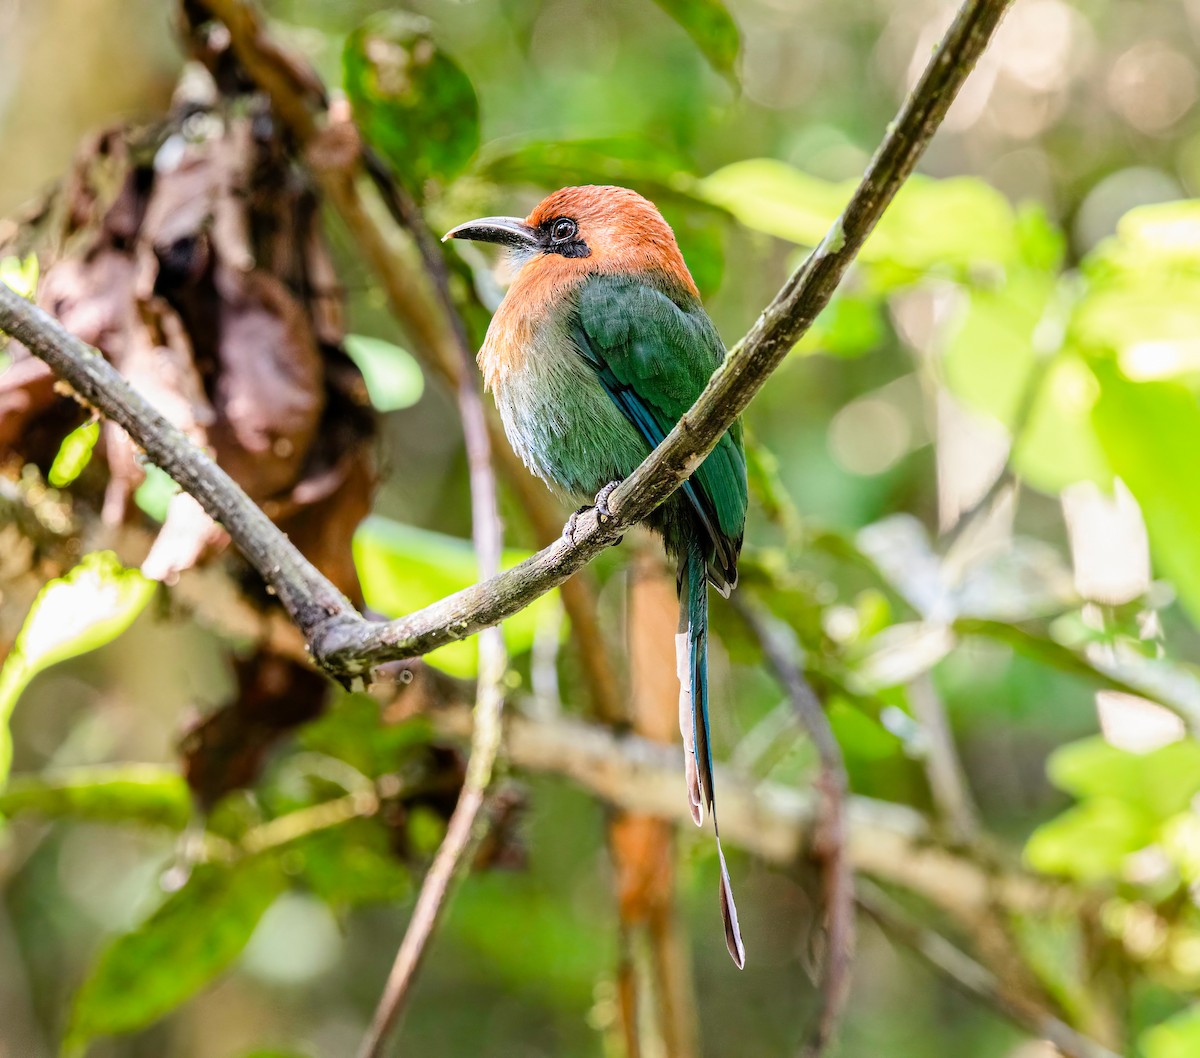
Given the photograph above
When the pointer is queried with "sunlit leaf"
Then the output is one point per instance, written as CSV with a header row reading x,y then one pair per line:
x,y
771,196
403,568
1042,243
1058,445
392,374
93,604
20,274
119,793
193,936
1090,841
1151,435
155,493
1178,1037
852,325
1158,784
712,29
945,225
74,454
412,102
989,352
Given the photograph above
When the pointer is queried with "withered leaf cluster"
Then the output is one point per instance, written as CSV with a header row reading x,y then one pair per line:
x,y
192,256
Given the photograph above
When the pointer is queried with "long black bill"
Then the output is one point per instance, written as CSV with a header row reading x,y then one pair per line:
x,y
507,231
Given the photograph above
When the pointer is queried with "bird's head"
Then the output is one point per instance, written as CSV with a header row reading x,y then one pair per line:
x,y
585,230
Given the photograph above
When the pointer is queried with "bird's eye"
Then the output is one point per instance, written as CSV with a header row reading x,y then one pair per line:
x,y
563,230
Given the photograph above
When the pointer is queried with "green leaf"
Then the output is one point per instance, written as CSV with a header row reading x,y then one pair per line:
x,y
860,735
1089,842
989,353
74,454
412,101
271,1053
117,793
771,196
20,274
711,27
353,864
392,374
193,936
1150,432
1159,784
651,167
943,225
1059,445
1142,294
403,568
155,493
851,326
353,730
93,604
1177,1037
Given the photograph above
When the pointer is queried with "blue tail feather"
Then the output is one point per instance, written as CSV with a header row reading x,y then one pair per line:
x,y
694,606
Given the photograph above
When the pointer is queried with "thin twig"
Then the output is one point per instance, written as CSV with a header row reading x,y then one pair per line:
x,y
461,832
829,844
976,980
943,768
346,644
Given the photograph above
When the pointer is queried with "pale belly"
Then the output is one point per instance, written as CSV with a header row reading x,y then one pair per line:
x,y
562,423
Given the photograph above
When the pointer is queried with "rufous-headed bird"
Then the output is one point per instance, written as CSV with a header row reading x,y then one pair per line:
x,y
598,348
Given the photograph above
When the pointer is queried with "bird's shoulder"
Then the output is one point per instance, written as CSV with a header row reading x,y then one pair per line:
x,y
647,329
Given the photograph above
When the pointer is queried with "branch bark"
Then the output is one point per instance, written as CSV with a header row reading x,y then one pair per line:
x,y
342,641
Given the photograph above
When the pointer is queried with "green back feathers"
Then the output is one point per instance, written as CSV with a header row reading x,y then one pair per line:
x,y
654,349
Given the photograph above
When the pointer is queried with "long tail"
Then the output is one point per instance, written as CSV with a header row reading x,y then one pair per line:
x,y
691,654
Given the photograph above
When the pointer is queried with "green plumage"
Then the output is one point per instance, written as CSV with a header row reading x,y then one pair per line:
x,y
654,350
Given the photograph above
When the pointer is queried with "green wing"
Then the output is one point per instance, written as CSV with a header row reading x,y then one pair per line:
x,y
654,358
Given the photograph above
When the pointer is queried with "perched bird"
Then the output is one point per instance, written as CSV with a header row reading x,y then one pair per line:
x,y
598,348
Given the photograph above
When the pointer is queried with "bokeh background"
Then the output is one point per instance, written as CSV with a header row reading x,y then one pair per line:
x,y
998,414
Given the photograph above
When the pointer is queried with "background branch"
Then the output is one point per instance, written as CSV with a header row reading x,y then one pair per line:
x,y
974,979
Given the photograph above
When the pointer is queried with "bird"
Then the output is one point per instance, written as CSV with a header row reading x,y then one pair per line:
x,y
598,348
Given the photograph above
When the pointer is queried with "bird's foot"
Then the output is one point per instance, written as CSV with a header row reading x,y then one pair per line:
x,y
569,528
603,514
601,501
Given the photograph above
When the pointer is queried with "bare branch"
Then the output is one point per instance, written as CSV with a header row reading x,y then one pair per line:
x,y
976,980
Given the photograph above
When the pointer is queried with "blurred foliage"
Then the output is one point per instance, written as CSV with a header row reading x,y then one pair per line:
x,y
90,606
1033,313
194,935
412,101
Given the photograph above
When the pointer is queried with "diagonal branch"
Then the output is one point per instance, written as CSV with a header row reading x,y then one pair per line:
x,y
346,644
976,980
